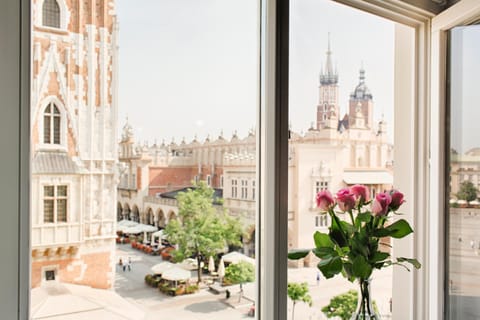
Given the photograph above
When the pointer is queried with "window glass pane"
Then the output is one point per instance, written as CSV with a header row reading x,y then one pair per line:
x,y
341,134
46,129
62,210
62,191
463,213
49,191
51,14
56,129
48,211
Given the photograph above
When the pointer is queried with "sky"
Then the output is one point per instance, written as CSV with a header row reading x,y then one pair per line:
x,y
465,96
190,68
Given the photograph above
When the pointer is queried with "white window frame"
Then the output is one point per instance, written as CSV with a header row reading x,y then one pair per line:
x,y
63,125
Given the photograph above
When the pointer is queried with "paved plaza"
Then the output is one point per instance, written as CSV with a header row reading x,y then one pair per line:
x,y
206,305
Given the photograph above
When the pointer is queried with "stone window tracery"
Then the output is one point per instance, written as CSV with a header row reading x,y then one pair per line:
x,y
51,14
51,124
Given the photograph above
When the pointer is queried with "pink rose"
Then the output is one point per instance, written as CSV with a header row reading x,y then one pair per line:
x,y
360,192
345,200
325,200
381,203
397,200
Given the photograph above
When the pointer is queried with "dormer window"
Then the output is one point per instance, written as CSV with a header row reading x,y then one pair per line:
x,y
51,124
51,14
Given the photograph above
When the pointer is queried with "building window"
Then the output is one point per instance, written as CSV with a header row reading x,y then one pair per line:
x,y
253,190
51,14
320,186
244,191
221,181
51,124
196,179
321,221
50,275
234,188
209,180
54,204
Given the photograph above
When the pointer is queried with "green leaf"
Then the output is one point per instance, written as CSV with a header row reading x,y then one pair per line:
x,y
330,267
364,217
398,229
413,262
361,268
336,232
379,256
325,252
298,254
322,240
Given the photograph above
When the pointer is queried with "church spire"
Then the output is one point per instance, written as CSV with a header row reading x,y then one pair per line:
x,y
328,75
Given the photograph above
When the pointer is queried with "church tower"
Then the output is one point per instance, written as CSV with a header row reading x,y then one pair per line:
x,y
361,99
327,108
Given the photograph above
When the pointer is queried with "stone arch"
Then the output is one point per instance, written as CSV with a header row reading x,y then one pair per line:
x,y
161,219
119,211
149,217
135,213
172,216
127,212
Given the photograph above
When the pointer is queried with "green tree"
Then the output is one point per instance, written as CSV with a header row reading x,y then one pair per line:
x,y
298,292
467,191
343,305
201,230
241,272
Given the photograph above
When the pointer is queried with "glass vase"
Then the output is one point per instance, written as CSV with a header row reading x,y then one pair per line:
x,y
365,310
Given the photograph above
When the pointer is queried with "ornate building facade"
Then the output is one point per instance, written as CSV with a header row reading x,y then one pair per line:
x,y
333,154
74,149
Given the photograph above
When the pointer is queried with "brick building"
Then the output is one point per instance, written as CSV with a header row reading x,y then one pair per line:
x,y
74,147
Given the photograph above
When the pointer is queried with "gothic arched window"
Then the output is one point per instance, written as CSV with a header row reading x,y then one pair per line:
x,y
51,124
51,14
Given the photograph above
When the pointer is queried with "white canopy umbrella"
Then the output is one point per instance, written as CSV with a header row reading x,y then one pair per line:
x,y
132,230
161,267
474,202
147,227
235,257
211,265
176,274
190,264
221,269
128,223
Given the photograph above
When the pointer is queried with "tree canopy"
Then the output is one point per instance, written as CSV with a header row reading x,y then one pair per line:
x,y
298,292
201,230
241,272
467,191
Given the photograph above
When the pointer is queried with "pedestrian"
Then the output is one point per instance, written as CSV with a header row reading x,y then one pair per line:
x,y
318,278
129,264
120,263
472,244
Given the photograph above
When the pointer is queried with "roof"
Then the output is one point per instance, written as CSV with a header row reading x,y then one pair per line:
x,y
367,177
218,193
54,163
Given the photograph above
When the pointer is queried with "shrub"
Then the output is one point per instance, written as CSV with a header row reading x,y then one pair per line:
x,y
148,279
343,305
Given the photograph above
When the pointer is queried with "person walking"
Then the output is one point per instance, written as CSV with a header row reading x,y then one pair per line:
x,y
120,263
129,264
318,278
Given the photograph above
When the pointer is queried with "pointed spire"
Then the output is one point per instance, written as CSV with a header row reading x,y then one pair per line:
x,y
328,75
362,73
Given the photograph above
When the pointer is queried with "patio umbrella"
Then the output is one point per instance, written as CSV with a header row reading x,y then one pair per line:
x,y
190,264
126,223
211,265
221,269
235,257
176,274
132,230
161,267
147,227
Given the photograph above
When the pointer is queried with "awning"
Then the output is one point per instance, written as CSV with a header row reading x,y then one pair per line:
x,y
367,177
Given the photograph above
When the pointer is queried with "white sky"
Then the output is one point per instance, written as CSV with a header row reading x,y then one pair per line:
x,y
190,66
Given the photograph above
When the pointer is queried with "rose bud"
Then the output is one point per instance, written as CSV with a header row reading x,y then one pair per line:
x,y
397,200
325,200
360,192
345,200
381,203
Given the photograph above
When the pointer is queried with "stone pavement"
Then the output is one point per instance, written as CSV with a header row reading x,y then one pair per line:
x,y
206,305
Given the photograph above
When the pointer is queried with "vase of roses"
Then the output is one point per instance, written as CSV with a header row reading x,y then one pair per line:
x,y
352,245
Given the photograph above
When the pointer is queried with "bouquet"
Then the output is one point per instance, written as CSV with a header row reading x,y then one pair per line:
x,y
352,245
